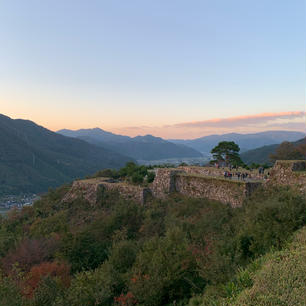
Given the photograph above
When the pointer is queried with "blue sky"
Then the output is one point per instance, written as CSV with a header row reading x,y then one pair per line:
x,y
138,67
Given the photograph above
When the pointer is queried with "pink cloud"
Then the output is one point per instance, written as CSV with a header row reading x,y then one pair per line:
x,y
242,120
294,120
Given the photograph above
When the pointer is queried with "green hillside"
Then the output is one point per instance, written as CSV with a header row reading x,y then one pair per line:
x,y
176,251
281,280
259,155
275,279
32,158
262,155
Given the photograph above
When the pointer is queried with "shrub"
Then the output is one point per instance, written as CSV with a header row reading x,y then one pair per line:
x,y
9,292
261,222
83,251
137,178
151,177
30,252
164,271
48,291
38,273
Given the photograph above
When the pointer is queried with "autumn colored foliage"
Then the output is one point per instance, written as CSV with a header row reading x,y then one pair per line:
x,y
52,269
127,299
29,252
119,253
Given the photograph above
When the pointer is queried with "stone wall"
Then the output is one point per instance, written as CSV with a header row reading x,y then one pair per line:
x,y
287,172
164,182
219,172
223,190
196,182
199,182
88,189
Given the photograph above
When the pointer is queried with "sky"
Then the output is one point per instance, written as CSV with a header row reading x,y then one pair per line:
x,y
171,68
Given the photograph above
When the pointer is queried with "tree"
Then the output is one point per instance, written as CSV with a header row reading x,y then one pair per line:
x,y
164,271
133,173
40,272
84,251
228,152
137,178
50,288
150,177
29,252
9,291
288,151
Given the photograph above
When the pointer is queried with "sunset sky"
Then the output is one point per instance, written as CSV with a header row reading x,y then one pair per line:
x,y
171,68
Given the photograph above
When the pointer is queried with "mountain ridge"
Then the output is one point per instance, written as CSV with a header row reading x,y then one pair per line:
x,y
146,147
33,158
245,141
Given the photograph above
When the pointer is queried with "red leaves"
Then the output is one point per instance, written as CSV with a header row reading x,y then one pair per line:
x,y
28,253
38,272
139,277
134,279
127,299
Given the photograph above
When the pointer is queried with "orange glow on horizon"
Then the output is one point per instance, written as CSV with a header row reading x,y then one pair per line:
x,y
289,120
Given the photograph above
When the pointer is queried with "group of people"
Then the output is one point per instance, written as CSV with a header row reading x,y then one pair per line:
x,y
239,175
261,170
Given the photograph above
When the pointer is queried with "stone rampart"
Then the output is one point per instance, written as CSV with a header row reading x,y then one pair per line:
x,y
88,189
224,190
289,172
164,182
198,182
201,184
219,172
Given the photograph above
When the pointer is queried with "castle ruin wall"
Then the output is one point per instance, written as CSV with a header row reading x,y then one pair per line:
x,y
88,189
199,185
289,173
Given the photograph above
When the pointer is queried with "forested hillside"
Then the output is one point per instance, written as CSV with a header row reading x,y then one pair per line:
x,y
276,279
286,150
32,158
140,147
178,251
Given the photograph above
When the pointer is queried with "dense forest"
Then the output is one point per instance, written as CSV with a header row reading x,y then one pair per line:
x,y
178,251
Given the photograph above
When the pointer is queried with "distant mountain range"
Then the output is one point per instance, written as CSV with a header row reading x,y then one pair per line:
x,y
32,158
262,155
140,148
245,141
